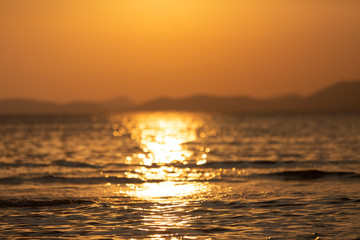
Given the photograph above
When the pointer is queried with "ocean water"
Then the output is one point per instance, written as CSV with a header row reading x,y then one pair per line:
x,y
178,175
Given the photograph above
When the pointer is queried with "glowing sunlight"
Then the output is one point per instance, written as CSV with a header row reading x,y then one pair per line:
x,y
165,190
162,139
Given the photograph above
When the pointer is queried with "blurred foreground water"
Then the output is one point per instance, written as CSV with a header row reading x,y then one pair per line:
x,y
170,175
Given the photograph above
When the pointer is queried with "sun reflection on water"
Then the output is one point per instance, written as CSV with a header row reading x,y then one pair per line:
x,y
165,191
163,159
167,214
161,137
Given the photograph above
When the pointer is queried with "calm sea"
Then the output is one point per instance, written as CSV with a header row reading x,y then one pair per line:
x,y
170,175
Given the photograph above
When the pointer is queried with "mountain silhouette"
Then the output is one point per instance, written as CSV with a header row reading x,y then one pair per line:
x,y
28,106
82,108
226,104
342,97
118,104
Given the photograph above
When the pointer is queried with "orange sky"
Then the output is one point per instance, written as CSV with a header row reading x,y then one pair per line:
x,y
65,50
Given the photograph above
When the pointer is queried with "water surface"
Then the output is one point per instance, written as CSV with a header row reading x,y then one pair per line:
x,y
162,175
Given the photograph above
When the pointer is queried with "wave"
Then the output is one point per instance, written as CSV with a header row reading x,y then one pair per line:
x,y
41,203
17,165
299,175
68,180
209,206
192,164
271,164
213,206
50,179
243,164
259,164
308,175
73,164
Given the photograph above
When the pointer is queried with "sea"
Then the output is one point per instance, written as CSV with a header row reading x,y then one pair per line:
x,y
180,175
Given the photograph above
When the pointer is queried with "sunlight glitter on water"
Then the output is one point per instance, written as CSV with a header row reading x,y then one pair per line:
x,y
206,175
165,191
161,136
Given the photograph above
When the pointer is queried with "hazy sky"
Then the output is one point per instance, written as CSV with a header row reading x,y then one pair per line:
x,y
65,50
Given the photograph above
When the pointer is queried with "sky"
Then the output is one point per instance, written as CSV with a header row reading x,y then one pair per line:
x,y
92,50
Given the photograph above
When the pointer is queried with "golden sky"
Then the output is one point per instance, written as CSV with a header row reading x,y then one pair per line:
x,y
64,50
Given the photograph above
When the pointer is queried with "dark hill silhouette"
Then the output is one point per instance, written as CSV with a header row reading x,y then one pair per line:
x,y
203,103
28,106
118,104
81,108
342,97
229,104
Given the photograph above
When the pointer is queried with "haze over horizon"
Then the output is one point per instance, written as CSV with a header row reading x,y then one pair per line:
x,y
143,49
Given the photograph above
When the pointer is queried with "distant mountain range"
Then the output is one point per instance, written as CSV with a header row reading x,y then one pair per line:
x,y
342,97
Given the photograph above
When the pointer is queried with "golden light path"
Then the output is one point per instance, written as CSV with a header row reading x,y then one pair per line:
x,y
161,137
